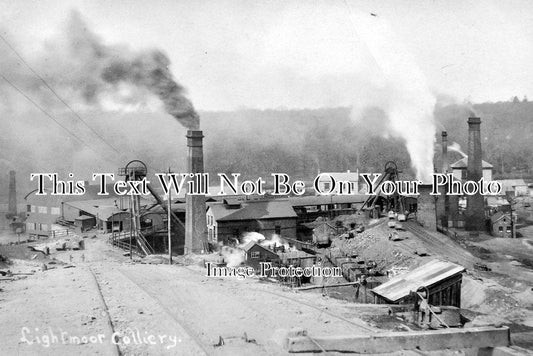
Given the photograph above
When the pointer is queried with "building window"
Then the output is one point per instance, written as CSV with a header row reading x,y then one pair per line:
x,y
28,208
508,229
43,210
277,230
255,254
55,211
33,209
500,228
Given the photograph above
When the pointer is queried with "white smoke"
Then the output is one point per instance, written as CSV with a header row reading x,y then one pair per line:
x,y
275,241
232,256
252,236
457,148
235,256
408,101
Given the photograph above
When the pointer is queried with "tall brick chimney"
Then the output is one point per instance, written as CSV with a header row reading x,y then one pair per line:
x,y
195,221
12,205
475,204
445,200
445,152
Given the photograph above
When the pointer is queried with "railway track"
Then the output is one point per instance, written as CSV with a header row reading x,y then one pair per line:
x,y
110,280
442,245
359,325
174,316
116,349
209,312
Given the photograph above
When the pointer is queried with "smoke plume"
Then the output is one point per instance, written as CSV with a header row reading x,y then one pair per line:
x,y
457,148
235,256
409,104
92,72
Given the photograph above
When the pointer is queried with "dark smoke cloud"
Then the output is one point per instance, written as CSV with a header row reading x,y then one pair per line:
x,y
97,69
118,91
150,70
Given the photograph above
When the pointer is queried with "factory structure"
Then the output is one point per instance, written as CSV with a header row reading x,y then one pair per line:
x,y
199,224
474,213
300,231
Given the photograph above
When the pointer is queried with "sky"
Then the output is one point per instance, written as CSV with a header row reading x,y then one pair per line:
x,y
302,54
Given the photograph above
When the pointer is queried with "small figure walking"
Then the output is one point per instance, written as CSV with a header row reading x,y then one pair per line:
x,y
82,257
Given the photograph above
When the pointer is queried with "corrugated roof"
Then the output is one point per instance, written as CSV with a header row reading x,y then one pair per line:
x,y
423,276
463,163
103,208
253,210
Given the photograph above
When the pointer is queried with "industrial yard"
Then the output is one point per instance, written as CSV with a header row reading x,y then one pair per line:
x,y
98,290
276,178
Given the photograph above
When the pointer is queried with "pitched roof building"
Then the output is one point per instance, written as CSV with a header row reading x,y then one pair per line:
x,y
228,220
440,278
459,169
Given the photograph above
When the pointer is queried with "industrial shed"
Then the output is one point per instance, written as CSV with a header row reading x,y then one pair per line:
x,y
459,169
44,211
101,210
84,223
227,221
502,225
254,254
441,279
309,208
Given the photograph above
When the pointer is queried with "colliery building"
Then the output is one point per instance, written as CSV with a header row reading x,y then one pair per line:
x,y
44,212
459,169
309,208
440,280
229,219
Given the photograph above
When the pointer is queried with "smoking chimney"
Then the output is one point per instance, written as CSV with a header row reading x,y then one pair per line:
x,y
444,208
475,208
12,206
195,222
444,152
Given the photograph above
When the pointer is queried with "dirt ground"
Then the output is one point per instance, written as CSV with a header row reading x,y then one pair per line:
x,y
98,301
502,296
150,309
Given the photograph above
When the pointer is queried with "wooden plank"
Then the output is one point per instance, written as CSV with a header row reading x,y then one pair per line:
x,y
455,339
328,286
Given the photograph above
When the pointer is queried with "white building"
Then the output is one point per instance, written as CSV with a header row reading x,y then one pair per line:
x,y
459,169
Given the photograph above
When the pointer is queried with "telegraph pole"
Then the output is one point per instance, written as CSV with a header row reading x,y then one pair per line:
x,y
169,227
